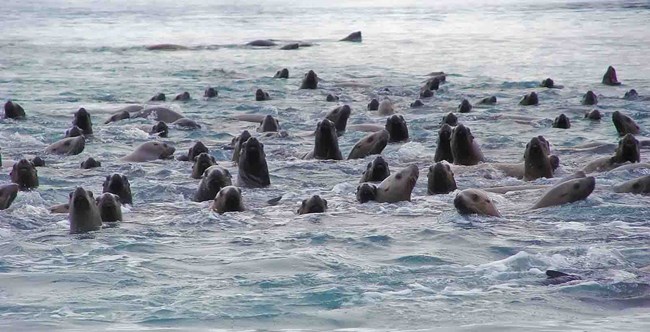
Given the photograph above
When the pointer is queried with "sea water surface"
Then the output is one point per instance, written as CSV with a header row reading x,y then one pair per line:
x,y
174,264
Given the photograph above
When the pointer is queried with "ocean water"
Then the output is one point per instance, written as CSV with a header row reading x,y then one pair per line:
x,y
175,265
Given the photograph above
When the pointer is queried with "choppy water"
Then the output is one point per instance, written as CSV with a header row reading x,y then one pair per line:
x,y
412,265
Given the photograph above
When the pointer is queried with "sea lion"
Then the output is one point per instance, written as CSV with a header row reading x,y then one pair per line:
x,y
398,186
556,277
202,162
339,116
269,124
150,151
185,96
426,93
433,83
122,115
260,95
8,193
310,81
567,192
253,170
194,151
373,105
314,204
84,214
589,98
24,174
237,143
67,146
228,199
370,144
386,107
283,73
610,77
488,101
82,120
353,37
443,148
475,201
37,161
376,171
396,127
163,114
74,131
158,97
291,46
417,103
465,106
210,92
464,149
537,163
635,186
214,178
529,99
14,110
593,115
261,43
110,208
326,143
440,179
366,192
547,83
450,119
90,163
160,129
166,47
119,185
331,98
631,95
624,124
187,124
627,150
562,122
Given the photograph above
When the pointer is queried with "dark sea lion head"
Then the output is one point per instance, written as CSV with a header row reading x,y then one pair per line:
x,y
376,170
8,194
529,99
465,106
326,144
548,83
90,163
82,120
160,129
269,124
475,201
628,150
119,185
396,127
373,105
84,214
353,37
631,95
158,97
75,131
450,119
260,95
562,122
443,148
417,103
24,174
340,116
536,159
433,83
331,98
196,150
228,199
210,92
119,116
14,110
425,93
589,98
624,124
310,81
314,204
203,161
252,151
366,192
38,161
185,96
283,73
610,77
217,177
593,115
444,134
110,207
440,179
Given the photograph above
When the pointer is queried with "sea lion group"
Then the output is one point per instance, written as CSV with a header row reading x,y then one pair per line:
x,y
457,149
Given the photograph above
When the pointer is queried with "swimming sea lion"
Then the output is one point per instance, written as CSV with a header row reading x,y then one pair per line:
x,y
90,163
562,122
24,174
376,171
635,186
386,107
556,277
187,124
373,105
110,208
373,143
122,115
353,37
425,93
537,163
160,129
398,186
83,212
488,101
610,77
165,47
74,132
314,204
158,97
440,179
567,192
593,115
417,103
310,81
203,161
331,98
464,149
547,83
589,98
269,124
433,83
260,95
631,95
624,124
163,114
291,46
475,201
339,116
82,120
37,161
465,106
326,143
228,200
443,148
214,178
450,119
14,110
627,151
283,73
185,96
529,99
366,192
67,146
396,127
119,185
238,143
150,151
210,92
261,43
194,151
8,193
253,170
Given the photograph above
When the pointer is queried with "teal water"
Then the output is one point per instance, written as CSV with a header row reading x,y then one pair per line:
x,y
416,265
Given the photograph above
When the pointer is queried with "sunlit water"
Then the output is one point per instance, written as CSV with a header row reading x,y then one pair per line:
x,y
413,265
